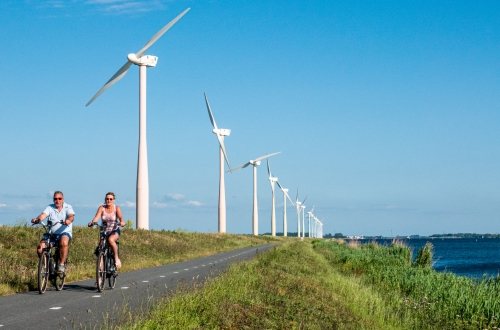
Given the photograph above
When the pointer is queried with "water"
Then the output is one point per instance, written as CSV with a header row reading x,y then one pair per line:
x,y
469,257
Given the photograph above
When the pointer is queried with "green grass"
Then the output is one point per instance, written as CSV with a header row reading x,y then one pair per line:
x,y
311,284
290,287
138,249
430,299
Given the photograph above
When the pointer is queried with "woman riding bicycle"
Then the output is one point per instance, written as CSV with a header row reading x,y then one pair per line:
x,y
112,219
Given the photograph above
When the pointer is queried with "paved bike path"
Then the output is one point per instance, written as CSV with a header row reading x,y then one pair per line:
x,y
79,305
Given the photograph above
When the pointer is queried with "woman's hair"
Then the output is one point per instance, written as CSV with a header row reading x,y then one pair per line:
x,y
110,193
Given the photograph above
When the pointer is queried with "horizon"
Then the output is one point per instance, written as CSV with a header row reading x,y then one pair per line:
x,y
386,114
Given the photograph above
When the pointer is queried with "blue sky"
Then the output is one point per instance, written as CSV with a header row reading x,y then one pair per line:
x,y
386,112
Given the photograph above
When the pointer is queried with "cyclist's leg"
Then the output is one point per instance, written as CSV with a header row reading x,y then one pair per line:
x,y
63,248
41,246
112,238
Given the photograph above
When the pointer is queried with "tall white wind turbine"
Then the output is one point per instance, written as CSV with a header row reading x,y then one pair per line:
x,y
310,214
255,210
272,181
303,207
220,133
285,197
298,208
143,61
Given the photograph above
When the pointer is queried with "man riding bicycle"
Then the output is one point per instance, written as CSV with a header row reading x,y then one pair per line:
x,y
61,216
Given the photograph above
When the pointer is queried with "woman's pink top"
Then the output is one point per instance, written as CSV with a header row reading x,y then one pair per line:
x,y
109,219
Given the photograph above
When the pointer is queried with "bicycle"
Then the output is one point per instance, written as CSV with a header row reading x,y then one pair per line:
x,y
105,262
48,262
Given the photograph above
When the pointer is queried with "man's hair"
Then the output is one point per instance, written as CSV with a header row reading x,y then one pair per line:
x,y
58,193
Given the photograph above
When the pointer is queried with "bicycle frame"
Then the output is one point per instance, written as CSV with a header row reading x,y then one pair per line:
x,y
48,262
105,263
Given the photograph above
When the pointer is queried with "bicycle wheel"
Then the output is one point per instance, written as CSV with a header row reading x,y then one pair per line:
x,y
43,272
100,271
59,281
112,273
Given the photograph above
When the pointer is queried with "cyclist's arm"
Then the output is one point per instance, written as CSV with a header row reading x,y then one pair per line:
x,y
39,218
97,216
120,216
69,219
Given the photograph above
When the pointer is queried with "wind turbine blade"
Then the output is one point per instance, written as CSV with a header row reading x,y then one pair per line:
x,y
297,196
160,33
116,77
221,143
266,156
210,114
304,200
239,167
288,196
268,169
278,183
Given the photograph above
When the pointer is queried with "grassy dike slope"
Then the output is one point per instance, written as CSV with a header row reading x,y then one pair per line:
x,y
138,249
320,284
290,287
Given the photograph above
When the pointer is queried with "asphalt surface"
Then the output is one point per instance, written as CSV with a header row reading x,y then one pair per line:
x,y
79,305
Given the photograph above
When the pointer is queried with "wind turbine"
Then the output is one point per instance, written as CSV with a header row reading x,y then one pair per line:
x,y
303,207
255,211
285,196
309,215
143,61
298,207
220,133
272,180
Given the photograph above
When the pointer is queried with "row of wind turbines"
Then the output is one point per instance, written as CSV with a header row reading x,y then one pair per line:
x,y
142,187
315,228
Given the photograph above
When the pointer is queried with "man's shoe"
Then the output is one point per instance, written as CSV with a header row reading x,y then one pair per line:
x,y
61,269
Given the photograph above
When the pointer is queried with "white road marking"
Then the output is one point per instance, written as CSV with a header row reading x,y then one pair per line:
x,y
124,287
97,296
55,308
162,275
145,281
186,268
203,265
176,272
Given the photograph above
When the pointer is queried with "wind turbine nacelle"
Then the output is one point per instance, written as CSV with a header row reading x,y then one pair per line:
x,y
146,60
222,131
255,163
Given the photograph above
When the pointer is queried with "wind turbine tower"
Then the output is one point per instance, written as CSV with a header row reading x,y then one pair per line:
x,y
143,61
303,207
285,197
272,180
255,209
220,133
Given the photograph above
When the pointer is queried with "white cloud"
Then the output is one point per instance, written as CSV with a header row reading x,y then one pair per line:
x,y
176,200
3,205
194,203
160,205
126,6
129,204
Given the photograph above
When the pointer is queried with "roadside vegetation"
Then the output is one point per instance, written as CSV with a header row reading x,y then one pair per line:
x,y
310,284
424,298
138,249
323,284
